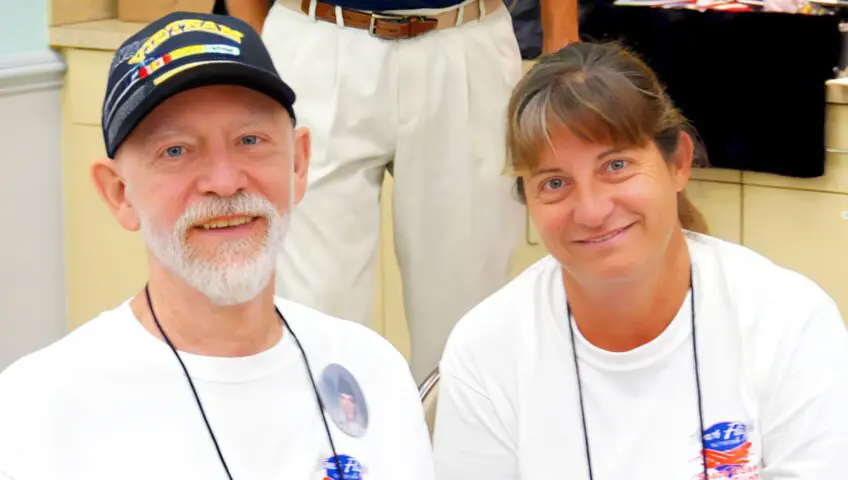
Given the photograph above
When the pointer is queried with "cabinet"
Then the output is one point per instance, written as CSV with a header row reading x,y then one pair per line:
x,y
806,231
721,205
105,263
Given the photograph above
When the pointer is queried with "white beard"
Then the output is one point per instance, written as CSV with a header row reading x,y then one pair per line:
x,y
230,278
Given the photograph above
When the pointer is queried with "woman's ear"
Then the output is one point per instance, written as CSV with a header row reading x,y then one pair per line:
x,y
113,191
682,161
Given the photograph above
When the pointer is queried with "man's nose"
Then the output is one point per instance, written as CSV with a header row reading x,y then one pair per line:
x,y
222,176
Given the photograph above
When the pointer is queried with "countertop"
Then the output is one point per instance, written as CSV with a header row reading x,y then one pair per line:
x,y
96,35
837,91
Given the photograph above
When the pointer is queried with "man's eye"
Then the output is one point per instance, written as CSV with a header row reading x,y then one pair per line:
x,y
174,152
249,140
554,183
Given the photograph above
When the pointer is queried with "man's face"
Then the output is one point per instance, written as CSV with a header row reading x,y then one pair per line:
x,y
348,405
209,178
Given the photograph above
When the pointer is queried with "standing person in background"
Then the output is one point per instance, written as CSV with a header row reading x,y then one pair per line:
x,y
418,87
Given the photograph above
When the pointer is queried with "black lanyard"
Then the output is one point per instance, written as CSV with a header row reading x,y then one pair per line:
x,y
200,405
697,384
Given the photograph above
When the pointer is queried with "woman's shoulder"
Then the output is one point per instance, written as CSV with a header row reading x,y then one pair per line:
x,y
492,328
749,270
758,288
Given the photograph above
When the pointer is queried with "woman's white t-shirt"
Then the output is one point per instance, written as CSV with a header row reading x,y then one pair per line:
x,y
773,357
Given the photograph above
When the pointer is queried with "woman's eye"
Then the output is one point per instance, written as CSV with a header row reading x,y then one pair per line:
x,y
617,165
174,152
249,140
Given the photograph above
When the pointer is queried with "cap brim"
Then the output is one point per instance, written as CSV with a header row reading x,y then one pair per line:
x,y
202,75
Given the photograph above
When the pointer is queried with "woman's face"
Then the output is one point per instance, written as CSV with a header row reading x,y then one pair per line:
x,y
606,213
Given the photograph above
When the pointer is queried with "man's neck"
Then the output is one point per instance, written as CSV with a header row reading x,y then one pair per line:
x,y
626,315
196,325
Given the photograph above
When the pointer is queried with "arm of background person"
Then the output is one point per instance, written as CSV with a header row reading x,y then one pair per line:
x,y
559,24
805,421
251,11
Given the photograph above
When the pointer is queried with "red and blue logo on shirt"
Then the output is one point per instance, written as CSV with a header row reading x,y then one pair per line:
x,y
727,448
351,468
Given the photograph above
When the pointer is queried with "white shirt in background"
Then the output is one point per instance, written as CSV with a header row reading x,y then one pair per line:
x,y
110,401
773,355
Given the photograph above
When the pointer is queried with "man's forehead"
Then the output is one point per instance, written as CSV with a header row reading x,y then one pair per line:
x,y
170,118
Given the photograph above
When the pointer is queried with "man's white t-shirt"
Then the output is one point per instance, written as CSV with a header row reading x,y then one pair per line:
x,y
110,401
773,356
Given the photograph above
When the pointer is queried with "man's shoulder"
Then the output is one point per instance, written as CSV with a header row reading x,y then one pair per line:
x,y
66,357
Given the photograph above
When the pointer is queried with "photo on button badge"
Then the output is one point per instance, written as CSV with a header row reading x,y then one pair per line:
x,y
344,400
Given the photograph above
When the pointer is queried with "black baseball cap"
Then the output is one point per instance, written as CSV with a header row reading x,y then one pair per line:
x,y
178,52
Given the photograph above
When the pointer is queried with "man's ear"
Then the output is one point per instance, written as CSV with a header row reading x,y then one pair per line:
x,y
113,191
302,154
682,161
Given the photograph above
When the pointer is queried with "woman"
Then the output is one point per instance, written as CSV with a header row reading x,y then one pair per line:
x,y
638,348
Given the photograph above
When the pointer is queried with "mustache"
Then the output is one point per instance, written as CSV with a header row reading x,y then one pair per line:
x,y
241,204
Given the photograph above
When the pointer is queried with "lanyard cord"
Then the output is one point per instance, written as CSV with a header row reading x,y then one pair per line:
x,y
697,384
200,404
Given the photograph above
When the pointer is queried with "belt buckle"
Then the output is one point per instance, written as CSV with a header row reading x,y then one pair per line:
x,y
401,19
372,26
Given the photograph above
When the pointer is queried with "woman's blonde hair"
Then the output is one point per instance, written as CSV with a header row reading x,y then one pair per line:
x,y
604,94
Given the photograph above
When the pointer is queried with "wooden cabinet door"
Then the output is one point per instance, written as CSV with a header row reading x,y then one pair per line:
x,y
801,230
85,85
389,317
721,205
105,263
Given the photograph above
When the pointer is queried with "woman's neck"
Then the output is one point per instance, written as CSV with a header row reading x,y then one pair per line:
x,y
622,316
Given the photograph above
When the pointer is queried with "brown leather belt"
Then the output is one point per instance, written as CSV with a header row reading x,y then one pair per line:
x,y
396,27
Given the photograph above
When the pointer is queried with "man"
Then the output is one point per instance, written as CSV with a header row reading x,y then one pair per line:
x,y
350,421
418,87
205,374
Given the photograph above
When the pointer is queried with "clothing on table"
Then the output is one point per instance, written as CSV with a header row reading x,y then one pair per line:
x,y
432,108
772,354
724,77
110,401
